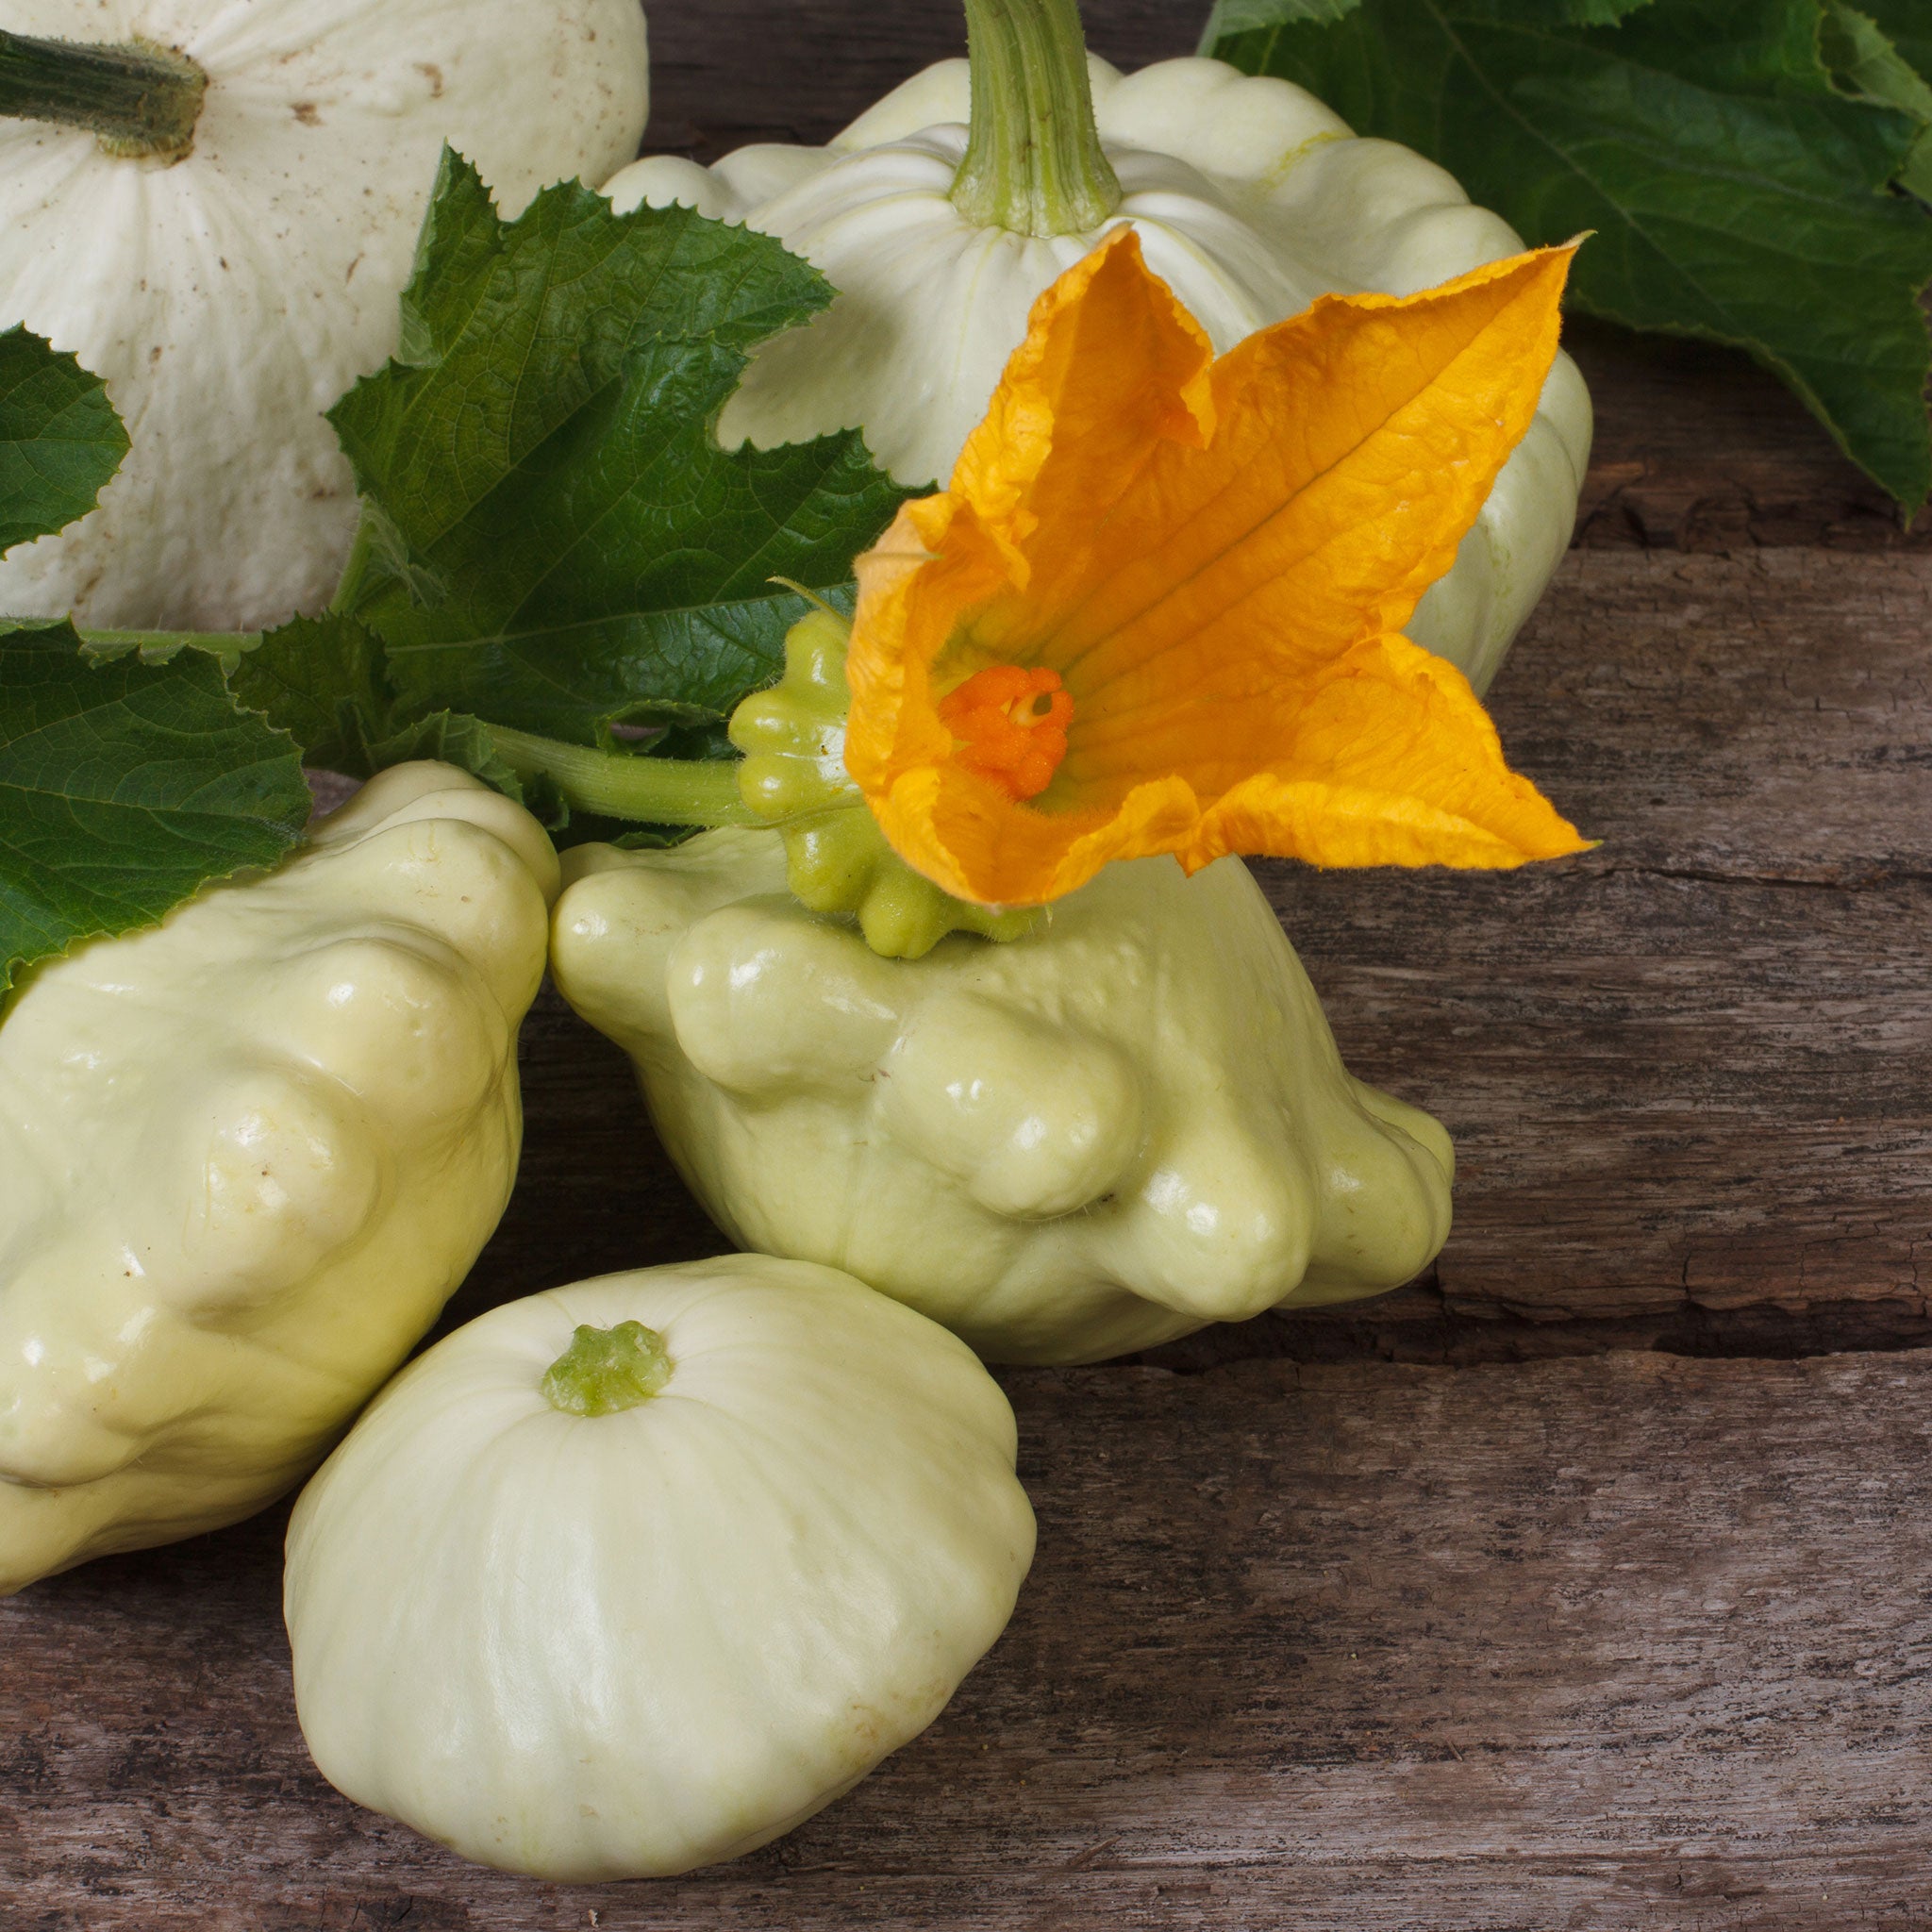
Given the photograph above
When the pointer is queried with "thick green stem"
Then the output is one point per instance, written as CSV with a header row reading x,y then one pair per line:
x,y
355,569
1034,162
617,784
140,99
607,1371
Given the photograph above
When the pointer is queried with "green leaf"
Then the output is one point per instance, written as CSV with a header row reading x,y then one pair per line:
x,y
322,681
1250,16
1231,17
1736,194
124,788
1868,64
564,546
60,441
1907,25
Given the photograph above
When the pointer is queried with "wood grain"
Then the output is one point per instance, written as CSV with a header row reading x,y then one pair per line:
x,y
1694,1068
1690,1075
728,71
1635,1642
1698,449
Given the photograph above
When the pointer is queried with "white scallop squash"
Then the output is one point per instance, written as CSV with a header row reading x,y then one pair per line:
x,y
1250,197
231,272
246,1156
635,1576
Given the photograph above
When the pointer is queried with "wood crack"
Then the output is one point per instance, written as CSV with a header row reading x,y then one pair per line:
x,y
1878,878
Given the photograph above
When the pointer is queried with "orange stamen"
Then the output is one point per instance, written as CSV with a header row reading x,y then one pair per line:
x,y
1009,725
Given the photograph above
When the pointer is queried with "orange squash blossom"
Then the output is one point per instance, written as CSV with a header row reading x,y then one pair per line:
x,y
1157,609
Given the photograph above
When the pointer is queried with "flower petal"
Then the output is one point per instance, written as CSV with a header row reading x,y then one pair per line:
x,y
1392,760
1112,367
1213,557
1353,446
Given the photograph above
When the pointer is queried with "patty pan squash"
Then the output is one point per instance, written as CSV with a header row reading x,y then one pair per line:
x,y
1127,1122
230,288
635,1576
943,212
246,1156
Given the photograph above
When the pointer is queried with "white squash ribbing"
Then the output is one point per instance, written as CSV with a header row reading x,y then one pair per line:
x,y
228,298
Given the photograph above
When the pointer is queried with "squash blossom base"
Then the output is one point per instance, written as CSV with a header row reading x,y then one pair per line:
x,y
607,1371
837,860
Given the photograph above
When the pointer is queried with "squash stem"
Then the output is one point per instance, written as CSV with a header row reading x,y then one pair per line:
x,y
607,1371
622,785
140,99
1034,163
355,569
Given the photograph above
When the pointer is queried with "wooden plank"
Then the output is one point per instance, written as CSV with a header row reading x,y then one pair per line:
x,y
1698,449
1691,1074
1635,1642
728,71
1692,1071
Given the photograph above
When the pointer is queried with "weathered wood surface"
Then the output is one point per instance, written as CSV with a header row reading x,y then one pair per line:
x,y
1698,450
728,71
1630,1642
1626,1640
1691,1074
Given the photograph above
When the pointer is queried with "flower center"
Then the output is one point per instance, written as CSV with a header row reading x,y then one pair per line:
x,y
1009,725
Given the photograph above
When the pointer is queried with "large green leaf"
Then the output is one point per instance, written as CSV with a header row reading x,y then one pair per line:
x,y
1230,17
323,680
1907,25
320,679
1250,16
59,439
1872,64
1734,192
124,788
558,542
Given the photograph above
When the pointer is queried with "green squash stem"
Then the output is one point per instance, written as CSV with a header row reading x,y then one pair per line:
x,y
1034,163
621,785
140,99
607,1371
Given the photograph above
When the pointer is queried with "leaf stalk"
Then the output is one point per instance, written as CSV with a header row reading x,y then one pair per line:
x,y
619,785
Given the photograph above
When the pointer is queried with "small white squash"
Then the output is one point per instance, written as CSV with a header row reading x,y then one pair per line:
x,y
593,1600
230,295
1129,1122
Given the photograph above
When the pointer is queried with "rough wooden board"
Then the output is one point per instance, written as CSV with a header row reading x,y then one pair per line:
x,y
728,71
1636,1642
1697,1064
1698,449
1691,1074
